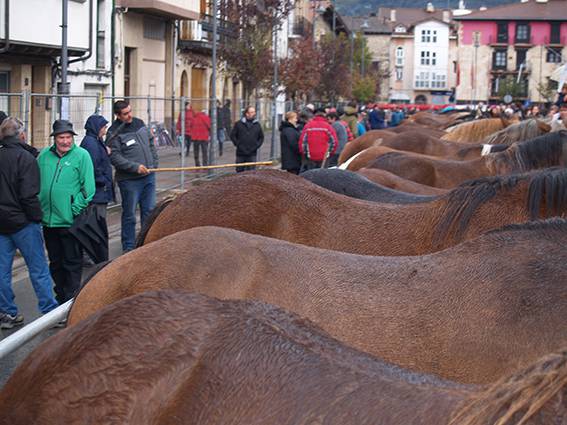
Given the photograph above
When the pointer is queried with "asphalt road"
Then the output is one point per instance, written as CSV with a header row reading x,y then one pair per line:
x,y
25,297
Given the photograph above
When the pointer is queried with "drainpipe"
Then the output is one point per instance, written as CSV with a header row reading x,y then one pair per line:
x,y
6,27
90,51
112,47
63,88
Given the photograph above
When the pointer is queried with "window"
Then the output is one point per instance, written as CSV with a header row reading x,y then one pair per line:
x,y
553,55
100,35
399,73
433,58
555,33
422,80
426,36
438,81
425,58
154,29
400,28
522,33
520,57
400,56
499,59
434,36
502,36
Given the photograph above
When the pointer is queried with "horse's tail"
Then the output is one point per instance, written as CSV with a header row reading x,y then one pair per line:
x,y
151,218
521,397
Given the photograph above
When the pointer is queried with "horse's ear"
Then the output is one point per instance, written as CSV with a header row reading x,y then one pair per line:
x,y
505,122
543,126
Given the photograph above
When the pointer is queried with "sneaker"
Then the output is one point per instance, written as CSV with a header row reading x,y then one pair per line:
x,y
8,321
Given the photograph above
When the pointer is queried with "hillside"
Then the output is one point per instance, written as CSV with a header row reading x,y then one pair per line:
x,y
364,7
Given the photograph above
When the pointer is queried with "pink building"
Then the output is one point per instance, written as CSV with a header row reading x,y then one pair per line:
x,y
511,49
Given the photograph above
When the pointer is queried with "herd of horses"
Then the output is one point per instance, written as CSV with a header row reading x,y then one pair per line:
x,y
422,283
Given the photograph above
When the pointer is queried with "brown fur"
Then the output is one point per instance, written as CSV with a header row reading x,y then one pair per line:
x,y
173,357
437,121
363,142
541,152
475,131
283,206
518,132
393,181
418,312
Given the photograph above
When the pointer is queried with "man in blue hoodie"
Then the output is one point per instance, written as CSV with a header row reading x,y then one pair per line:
x,y
93,142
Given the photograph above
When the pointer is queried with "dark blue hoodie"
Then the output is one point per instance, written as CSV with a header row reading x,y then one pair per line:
x,y
101,161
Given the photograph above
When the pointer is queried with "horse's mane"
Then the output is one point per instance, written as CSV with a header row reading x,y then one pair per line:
x,y
516,399
473,131
542,152
518,132
547,185
552,225
151,218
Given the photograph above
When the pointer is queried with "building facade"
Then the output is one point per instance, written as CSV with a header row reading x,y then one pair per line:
x,y
511,49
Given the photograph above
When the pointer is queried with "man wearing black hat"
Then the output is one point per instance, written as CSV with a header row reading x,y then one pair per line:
x,y
67,187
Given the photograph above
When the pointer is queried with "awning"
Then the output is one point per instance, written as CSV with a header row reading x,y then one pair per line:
x,y
399,96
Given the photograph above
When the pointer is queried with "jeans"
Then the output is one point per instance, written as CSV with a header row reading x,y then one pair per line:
x,y
240,159
221,138
187,145
30,243
199,145
65,262
134,192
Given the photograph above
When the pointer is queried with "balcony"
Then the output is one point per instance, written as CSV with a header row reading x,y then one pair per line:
x,y
526,42
504,72
555,41
171,9
224,28
198,46
498,40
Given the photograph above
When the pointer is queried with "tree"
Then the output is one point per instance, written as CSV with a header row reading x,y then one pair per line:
x,y
300,74
248,52
511,86
335,67
548,90
364,88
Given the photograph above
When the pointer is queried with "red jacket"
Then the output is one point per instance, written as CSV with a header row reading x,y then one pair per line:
x,y
189,114
317,138
200,127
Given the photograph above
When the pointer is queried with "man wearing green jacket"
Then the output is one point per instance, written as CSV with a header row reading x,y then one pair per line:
x,y
67,187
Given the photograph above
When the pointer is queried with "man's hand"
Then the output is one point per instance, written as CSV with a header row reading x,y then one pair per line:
x,y
143,170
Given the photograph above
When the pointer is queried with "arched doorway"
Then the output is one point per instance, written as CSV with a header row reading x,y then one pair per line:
x,y
420,99
184,85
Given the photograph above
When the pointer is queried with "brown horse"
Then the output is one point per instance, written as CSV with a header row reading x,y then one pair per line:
x,y
172,357
541,152
430,119
406,310
282,206
519,132
475,131
393,181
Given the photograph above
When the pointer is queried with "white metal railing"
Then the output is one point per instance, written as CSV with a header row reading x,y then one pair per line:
x,y
23,336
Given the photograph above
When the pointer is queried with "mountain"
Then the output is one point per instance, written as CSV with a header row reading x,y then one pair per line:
x,y
365,7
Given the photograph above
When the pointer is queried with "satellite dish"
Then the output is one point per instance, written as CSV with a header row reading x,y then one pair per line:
x,y
508,99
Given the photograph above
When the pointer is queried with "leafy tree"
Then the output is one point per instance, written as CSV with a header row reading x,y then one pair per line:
x,y
511,86
364,88
548,90
300,73
248,51
335,79
360,53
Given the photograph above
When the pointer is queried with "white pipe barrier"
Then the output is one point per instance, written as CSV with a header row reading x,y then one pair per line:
x,y
28,332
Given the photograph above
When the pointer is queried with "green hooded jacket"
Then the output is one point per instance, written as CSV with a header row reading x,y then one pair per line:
x,y
67,185
350,117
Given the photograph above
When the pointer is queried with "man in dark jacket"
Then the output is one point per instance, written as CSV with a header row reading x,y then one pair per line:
x,y
247,136
20,222
132,153
93,142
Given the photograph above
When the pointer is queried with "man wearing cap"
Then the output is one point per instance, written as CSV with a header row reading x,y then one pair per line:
x,y
67,187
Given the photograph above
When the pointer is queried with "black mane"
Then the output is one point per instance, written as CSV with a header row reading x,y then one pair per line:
x,y
546,194
541,152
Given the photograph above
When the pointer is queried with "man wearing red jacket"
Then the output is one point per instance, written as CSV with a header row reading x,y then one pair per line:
x,y
200,135
318,141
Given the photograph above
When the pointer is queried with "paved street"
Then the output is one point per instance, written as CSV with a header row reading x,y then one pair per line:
x,y
25,297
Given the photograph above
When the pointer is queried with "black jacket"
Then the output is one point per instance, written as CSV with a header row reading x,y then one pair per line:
x,y
247,136
131,145
19,186
101,160
289,140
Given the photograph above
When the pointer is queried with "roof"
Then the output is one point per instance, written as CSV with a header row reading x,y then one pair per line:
x,y
408,16
375,24
552,10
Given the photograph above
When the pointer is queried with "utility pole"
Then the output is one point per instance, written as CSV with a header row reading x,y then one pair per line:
x,y
63,87
212,147
274,94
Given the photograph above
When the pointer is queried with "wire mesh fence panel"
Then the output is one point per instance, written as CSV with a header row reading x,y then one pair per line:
x,y
12,104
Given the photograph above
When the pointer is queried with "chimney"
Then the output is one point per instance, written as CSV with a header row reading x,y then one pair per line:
x,y
393,15
447,16
430,8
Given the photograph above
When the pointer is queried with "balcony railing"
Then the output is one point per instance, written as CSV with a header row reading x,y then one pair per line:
x,y
498,40
224,27
555,41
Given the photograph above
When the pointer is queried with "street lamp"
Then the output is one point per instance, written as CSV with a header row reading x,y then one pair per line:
x,y
363,27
